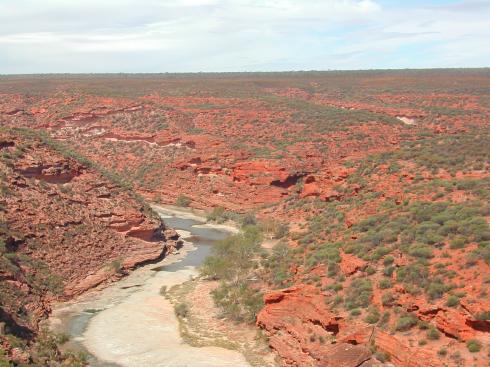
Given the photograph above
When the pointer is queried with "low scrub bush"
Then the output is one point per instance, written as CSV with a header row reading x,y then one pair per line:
x,y
220,215
182,310
405,322
384,283
473,345
452,301
387,299
373,316
358,294
433,334
183,201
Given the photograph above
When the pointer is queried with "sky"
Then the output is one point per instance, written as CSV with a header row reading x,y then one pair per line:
x,y
153,36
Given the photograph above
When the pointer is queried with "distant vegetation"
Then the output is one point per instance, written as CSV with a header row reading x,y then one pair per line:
x,y
453,153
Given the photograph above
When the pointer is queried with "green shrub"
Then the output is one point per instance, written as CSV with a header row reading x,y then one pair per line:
x,y
380,252
273,228
385,318
473,345
458,242
406,322
333,269
337,287
182,310
384,283
233,257
433,334
248,219
220,215
387,299
4,362
355,312
337,300
370,270
415,274
116,266
388,260
420,251
382,356
278,265
358,294
281,231
437,288
324,254
452,301
483,251
389,271
183,201
239,302
373,316
233,262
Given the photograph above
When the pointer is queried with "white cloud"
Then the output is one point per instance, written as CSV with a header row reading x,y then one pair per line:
x,y
214,35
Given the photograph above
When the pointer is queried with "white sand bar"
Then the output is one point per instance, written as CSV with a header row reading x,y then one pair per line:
x,y
142,330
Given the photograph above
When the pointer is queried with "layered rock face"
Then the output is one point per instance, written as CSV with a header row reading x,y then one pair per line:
x,y
66,227
305,331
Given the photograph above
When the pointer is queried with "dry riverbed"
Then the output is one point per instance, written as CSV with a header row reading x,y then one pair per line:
x,y
130,323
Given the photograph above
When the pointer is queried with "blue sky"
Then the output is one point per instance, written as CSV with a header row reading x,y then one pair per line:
x,y
45,36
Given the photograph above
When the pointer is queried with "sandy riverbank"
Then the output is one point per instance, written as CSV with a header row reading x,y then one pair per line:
x,y
142,330
132,324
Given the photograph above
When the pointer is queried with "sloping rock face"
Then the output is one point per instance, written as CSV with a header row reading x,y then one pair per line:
x,y
66,227
303,330
298,324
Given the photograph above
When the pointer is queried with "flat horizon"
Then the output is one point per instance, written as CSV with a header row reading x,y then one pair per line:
x,y
482,68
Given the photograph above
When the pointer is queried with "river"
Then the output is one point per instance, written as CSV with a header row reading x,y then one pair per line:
x,y
130,324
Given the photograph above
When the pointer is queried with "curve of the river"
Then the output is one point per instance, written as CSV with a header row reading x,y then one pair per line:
x,y
130,324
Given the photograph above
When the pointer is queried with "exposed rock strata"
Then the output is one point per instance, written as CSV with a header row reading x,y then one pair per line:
x,y
67,224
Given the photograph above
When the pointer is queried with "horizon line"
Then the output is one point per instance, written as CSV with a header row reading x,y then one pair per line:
x,y
482,68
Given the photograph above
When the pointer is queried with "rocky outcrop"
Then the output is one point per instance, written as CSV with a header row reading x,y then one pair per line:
x,y
304,331
402,354
297,321
351,264
347,355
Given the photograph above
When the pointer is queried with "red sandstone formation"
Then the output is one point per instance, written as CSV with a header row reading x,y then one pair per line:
x,y
296,320
301,329
305,332
68,224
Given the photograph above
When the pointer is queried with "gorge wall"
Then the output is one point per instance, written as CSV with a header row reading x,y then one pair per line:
x,y
66,227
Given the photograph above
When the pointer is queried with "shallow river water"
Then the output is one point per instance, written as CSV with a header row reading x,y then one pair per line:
x,y
130,324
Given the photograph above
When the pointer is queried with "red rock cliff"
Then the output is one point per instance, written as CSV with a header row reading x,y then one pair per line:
x,y
66,227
